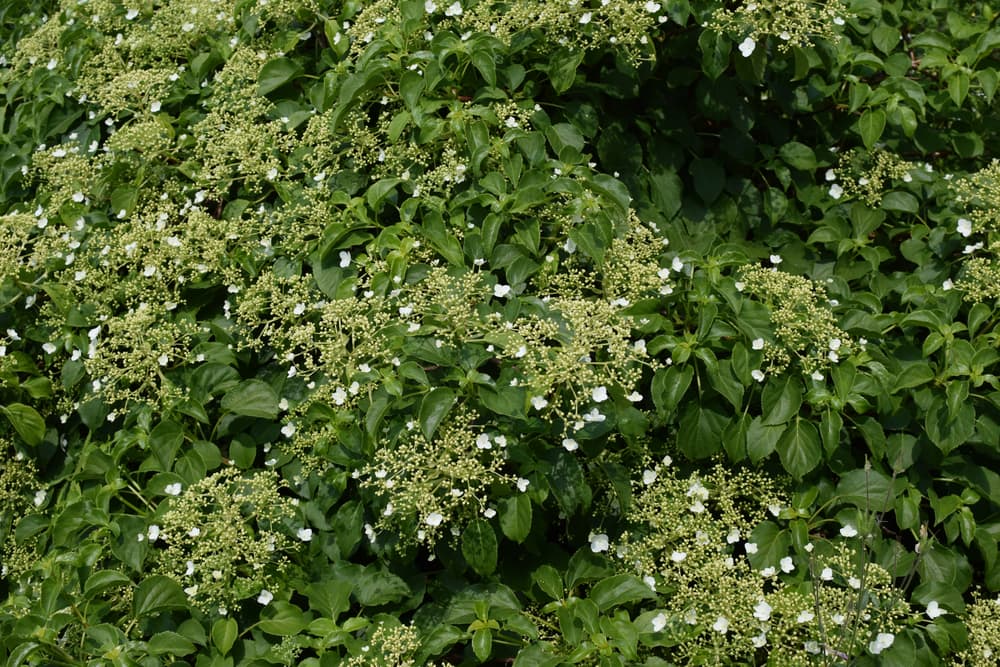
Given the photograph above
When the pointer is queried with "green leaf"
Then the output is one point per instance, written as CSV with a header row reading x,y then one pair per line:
x,y
799,448
27,422
900,201
224,634
958,87
885,38
276,73
668,387
762,439
157,593
479,547
102,580
709,179
715,49
284,620
868,490
562,68
700,431
411,86
798,155
568,483
434,408
515,517
482,644
618,590
870,125
779,402
829,431
374,587
252,398
547,578
168,642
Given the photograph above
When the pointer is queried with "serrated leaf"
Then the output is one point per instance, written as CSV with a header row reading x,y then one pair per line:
x,y
515,517
562,68
799,448
434,408
168,642
157,593
26,421
479,547
102,580
276,73
224,634
618,590
252,398
871,125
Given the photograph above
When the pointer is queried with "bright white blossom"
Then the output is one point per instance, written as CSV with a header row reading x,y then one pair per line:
x,y
848,531
598,542
434,519
934,609
762,611
881,642
747,47
265,597
659,622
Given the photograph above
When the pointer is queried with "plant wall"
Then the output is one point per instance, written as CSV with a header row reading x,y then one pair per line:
x,y
402,332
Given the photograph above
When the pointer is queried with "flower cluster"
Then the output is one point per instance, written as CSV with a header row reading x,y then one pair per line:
x,y
804,326
982,618
867,175
225,538
794,23
20,491
427,489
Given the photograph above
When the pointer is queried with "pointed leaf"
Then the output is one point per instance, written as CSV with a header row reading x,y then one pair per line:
x,y
799,448
27,422
434,408
252,398
479,547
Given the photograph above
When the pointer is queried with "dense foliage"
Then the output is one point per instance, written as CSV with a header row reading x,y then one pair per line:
x,y
389,333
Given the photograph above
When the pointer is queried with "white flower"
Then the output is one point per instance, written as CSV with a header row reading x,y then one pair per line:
x,y
964,227
836,191
483,441
304,534
652,7
570,445
538,402
288,430
830,175
838,20
854,583
511,122
678,556
634,397
848,531
39,497
649,581
190,569
775,259
834,344
153,533
430,7
787,565
648,476
49,348
747,46
757,344
489,512
826,574
762,611
265,597
805,616
947,285
131,14
599,394
757,375
598,542
522,484
882,641
500,290
594,416
659,622
934,609
751,547
721,625
172,489
455,9
585,19
434,519
345,259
